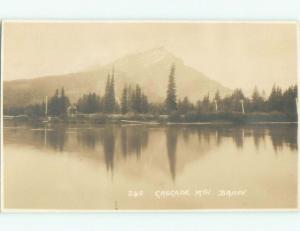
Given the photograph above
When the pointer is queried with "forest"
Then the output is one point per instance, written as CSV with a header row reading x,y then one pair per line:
x,y
280,105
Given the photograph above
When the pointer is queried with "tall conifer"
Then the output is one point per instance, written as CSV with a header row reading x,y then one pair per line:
x,y
171,104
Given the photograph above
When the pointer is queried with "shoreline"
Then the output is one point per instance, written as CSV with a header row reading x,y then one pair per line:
x,y
141,122
222,118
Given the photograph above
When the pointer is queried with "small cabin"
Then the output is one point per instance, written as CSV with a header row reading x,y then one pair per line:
x,y
72,109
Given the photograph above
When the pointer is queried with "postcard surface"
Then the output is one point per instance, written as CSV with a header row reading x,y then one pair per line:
x,y
149,116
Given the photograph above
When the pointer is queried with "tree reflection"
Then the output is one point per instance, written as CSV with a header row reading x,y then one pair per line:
x,y
109,147
133,140
186,132
88,138
124,142
258,134
58,138
206,135
171,138
284,136
238,136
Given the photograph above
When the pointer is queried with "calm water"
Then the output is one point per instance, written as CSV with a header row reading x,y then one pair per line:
x,y
150,167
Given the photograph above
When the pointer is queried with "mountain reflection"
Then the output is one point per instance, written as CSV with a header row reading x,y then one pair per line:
x,y
108,143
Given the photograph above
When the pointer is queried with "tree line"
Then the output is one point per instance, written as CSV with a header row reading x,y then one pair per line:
x,y
56,106
134,100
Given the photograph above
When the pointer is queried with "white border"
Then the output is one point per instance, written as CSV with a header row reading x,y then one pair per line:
x,y
171,21
298,108
1,123
5,210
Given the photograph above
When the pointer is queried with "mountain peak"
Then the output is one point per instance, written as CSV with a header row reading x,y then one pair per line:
x,y
158,50
148,58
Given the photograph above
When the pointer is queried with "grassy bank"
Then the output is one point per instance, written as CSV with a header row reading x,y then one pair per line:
x,y
234,117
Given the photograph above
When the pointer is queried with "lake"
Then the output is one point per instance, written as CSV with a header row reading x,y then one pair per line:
x,y
143,167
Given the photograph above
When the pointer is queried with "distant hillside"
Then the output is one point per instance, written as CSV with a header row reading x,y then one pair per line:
x,y
150,69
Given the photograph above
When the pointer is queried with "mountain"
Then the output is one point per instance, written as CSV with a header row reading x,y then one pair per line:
x,y
150,69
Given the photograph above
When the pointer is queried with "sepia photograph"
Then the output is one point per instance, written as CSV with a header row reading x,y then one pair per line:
x,y
149,116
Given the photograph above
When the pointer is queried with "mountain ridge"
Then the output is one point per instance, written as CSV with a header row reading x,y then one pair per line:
x,y
149,69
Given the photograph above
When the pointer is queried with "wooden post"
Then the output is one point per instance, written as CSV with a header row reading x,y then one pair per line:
x,y
216,103
46,106
243,110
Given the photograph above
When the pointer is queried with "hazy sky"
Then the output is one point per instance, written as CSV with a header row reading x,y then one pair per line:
x,y
234,54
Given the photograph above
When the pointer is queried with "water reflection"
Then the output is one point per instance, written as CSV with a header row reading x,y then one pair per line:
x,y
136,140
171,137
88,138
50,138
259,136
124,142
107,142
109,148
281,136
57,140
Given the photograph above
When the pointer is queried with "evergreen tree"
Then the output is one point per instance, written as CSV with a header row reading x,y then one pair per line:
x,y
117,108
184,106
275,102
89,103
106,95
64,103
144,104
124,100
206,105
257,101
236,100
58,105
53,105
289,98
170,102
199,106
36,110
109,100
131,98
112,100
137,100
